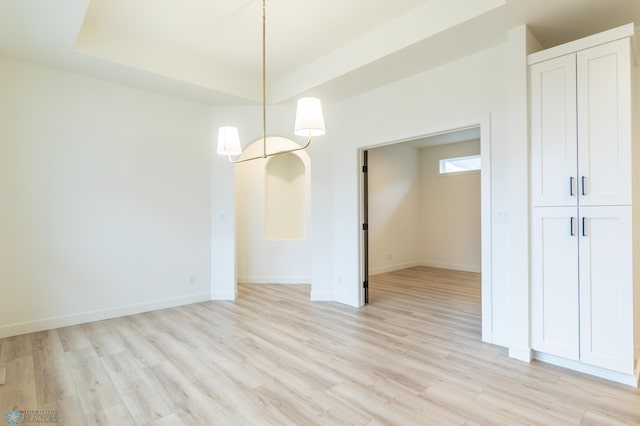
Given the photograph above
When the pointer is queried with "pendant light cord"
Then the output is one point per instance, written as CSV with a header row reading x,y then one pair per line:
x,y
264,79
264,103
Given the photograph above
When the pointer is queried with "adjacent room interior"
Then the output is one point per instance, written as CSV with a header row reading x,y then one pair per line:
x,y
423,199
422,213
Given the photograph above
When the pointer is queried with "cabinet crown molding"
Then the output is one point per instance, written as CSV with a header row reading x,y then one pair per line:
x,y
604,37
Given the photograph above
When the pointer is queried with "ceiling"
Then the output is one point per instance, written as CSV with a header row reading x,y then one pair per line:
x,y
210,51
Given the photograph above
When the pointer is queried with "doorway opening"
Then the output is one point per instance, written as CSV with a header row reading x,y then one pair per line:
x,y
415,214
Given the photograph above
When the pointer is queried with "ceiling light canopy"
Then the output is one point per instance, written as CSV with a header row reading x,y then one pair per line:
x,y
309,118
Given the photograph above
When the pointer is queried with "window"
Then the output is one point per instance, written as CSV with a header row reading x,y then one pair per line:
x,y
460,164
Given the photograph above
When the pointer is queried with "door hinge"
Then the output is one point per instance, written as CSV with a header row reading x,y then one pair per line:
x,y
365,226
365,169
365,284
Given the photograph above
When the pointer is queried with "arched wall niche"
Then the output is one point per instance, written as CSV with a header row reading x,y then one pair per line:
x,y
273,207
284,205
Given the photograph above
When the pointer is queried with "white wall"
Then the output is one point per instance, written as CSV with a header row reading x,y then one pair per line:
x,y
160,149
635,120
285,193
488,87
449,210
394,208
105,195
491,83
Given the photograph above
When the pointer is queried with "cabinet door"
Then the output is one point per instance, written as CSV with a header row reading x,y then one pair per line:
x,y
604,124
553,132
554,281
606,288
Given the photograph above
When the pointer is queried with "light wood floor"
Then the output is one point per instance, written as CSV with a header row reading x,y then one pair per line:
x,y
413,356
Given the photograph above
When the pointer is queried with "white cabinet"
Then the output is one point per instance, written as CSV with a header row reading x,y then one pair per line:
x,y
555,305
606,290
554,135
581,127
582,297
604,124
582,288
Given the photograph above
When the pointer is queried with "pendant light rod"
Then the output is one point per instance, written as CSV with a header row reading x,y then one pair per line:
x,y
273,154
309,117
264,78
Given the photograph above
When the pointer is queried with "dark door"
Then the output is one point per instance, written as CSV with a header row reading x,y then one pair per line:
x,y
365,226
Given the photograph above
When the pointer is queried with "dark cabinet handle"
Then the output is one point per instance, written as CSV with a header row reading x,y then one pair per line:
x,y
571,186
584,226
583,190
572,231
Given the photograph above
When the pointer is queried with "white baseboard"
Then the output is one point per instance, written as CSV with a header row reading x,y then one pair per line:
x,y
347,299
626,379
500,339
257,279
454,266
520,353
317,296
392,268
222,295
400,266
99,315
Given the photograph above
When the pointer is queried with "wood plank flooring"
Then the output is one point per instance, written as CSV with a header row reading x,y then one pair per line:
x,y
412,357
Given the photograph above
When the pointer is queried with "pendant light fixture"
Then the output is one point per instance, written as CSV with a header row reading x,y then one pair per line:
x,y
309,119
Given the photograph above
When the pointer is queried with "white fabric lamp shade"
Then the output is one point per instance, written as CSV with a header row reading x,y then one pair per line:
x,y
309,118
229,141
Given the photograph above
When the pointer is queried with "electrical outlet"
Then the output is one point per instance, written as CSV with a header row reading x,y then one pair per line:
x,y
503,216
389,257
192,280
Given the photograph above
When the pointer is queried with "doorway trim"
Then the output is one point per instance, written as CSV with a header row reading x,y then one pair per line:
x,y
485,217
